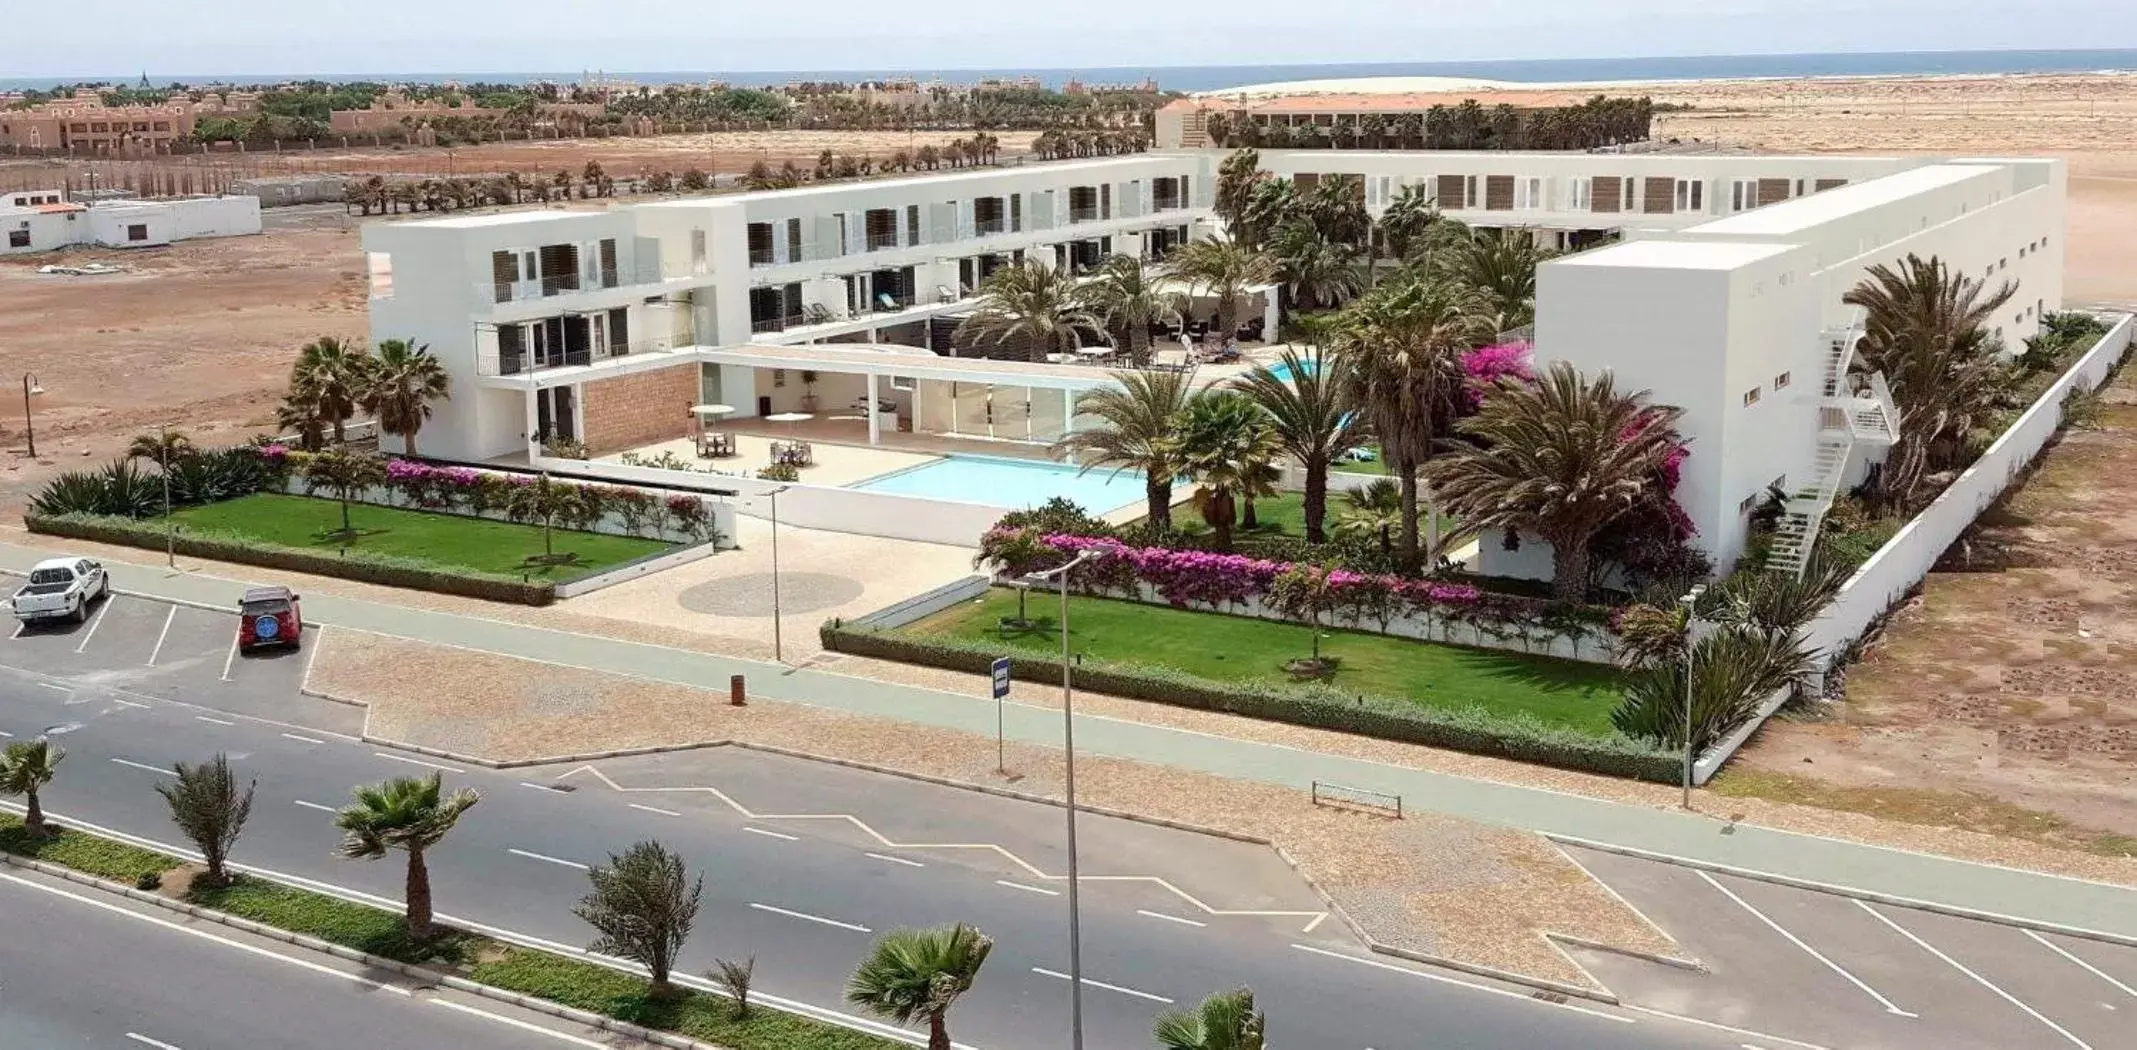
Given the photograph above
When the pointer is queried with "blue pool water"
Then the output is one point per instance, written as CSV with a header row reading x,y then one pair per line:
x,y
1282,371
1011,483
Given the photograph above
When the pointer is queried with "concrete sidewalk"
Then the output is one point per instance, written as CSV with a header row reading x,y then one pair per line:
x,y
1879,871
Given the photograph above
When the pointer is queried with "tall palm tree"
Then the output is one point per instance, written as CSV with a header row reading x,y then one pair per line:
x,y
1224,270
1236,179
1310,408
1500,265
1030,302
914,975
25,768
1413,211
1405,340
1136,417
1224,442
1560,458
1225,1021
401,382
1124,298
329,378
410,814
1926,328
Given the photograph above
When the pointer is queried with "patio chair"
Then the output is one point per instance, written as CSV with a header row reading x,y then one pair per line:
x,y
817,313
1250,331
943,293
887,302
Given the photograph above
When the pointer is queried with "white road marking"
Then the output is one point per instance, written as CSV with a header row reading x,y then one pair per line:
x,y
230,659
61,688
1443,979
1043,972
1315,924
2089,968
19,626
1889,1005
217,721
773,834
812,918
4,734
304,739
1027,889
128,703
1978,979
886,858
202,934
144,765
94,623
161,635
157,1043
519,1024
1168,918
656,809
550,859
418,762
317,806
537,787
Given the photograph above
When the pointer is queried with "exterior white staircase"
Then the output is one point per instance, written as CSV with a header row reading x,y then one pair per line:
x,y
1852,410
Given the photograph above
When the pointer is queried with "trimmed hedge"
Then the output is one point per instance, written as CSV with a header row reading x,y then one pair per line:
x,y
1322,707
357,565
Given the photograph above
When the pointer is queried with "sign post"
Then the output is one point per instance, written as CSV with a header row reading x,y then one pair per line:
x,y
1001,691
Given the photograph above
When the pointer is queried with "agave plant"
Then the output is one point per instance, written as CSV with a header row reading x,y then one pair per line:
x,y
75,492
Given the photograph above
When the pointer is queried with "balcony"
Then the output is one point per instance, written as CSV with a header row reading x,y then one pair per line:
x,y
495,362
565,284
882,240
1083,214
763,257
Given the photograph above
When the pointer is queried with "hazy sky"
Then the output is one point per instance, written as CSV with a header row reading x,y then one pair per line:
x,y
223,36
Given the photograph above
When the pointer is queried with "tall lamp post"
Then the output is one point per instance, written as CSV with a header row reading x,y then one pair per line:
x,y
1690,601
170,525
1068,787
30,387
778,648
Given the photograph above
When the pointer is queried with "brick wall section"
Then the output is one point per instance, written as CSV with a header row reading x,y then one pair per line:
x,y
639,409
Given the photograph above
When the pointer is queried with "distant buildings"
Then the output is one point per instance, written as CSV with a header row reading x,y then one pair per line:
x,y
82,123
43,220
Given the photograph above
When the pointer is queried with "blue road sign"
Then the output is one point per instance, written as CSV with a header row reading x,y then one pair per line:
x,y
1001,677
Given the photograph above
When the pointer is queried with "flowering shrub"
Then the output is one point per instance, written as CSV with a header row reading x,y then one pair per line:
x,y
1485,366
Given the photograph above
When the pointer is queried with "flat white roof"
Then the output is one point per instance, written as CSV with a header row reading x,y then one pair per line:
x,y
1678,255
504,218
926,179
1804,213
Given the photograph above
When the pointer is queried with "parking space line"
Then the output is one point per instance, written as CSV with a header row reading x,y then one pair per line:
x,y
230,659
158,1044
811,918
94,623
550,859
2089,968
887,858
161,635
1028,889
217,721
144,765
418,762
1889,1005
1978,979
1043,972
19,626
1443,979
1169,918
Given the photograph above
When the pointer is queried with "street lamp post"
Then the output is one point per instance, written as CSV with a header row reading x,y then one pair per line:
x,y
778,647
1068,787
30,386
1690,601
170,525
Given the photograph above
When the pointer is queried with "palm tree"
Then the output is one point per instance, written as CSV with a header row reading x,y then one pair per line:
x,y
401,382
1237,176
1560,458
163,446
1225,270
1316,271
302,418
918,974
410,814
1135,419
1375,510
345,474
1926,328
1225,1021
1407,217
1224,441
1405,340
1030,302
210,808
25,768
329,378
1314,418
1123,297
1500,265
644,904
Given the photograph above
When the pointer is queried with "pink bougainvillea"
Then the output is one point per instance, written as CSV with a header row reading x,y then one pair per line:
x,y
1192,577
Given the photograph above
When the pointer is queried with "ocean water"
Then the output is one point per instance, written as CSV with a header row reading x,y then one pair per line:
x,y
1212,78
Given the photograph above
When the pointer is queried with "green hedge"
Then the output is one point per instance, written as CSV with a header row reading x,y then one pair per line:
x,y
357,565
1321,707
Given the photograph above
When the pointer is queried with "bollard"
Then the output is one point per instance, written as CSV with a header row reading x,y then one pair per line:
x,y
735,691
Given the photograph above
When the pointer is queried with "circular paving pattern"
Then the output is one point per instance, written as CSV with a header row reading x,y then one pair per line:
x,y
751,594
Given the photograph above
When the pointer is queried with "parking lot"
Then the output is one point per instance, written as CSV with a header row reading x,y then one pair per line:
x,y
137,647
1839,972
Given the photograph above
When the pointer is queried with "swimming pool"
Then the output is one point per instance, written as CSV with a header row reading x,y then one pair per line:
x,y
1282,371
1012,483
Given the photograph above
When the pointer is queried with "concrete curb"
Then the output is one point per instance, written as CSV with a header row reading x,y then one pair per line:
x,y
309,943
1541,984
1676,961
1875,896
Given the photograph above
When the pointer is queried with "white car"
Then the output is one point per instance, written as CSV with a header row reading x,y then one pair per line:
x,y
61,587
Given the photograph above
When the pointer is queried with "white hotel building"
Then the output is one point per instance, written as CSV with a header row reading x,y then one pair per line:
x,y
1724,298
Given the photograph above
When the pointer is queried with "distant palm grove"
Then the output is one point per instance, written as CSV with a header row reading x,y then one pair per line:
x,y
1600,121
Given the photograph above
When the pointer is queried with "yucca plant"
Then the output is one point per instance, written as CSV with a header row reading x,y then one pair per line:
x,y
75,492
130,491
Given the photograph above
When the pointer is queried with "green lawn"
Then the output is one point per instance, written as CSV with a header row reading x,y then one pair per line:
x,y
1283,514
1234,648
447,541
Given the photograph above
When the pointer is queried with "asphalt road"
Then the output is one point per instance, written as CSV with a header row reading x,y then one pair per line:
x,y
79,969
804,899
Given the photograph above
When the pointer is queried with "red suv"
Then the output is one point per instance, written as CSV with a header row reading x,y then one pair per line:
x,y
269,616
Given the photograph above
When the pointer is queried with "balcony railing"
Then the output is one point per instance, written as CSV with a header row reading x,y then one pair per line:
x,y
776,324
565,284
495,362
763,256
883,241
1083,214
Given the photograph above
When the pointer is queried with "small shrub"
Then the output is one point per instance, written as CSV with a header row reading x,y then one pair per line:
x,y
149,880
780,472
734,979
566,448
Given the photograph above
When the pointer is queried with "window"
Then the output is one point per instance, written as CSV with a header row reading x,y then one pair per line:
x,y
137,232
381,267
18,238
1743,194
1579,194
697,250
1691,195
1751,397
1780,382
1528,193
1745,506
